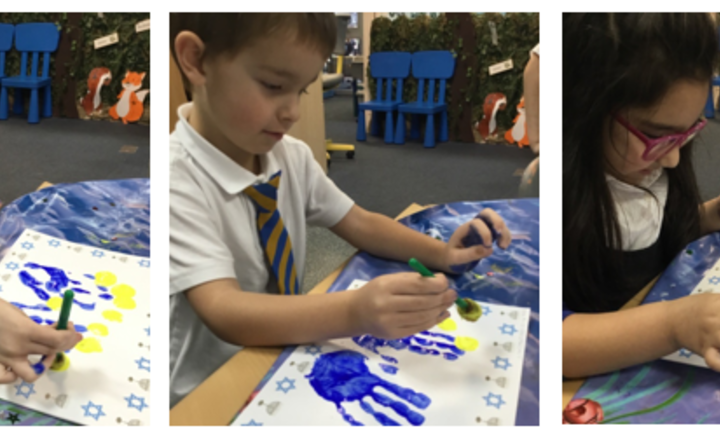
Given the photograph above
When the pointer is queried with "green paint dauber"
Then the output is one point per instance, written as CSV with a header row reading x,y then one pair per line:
x,y
64,316
467,308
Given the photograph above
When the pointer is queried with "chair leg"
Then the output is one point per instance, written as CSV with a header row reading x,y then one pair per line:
x,y
710,106
430,131
443,127
47,103
361,135
375,124
34,111
18,105
415,127
400,129
389,130
4,104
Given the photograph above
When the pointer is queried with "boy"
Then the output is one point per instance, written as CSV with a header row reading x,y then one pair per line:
x,y
231,242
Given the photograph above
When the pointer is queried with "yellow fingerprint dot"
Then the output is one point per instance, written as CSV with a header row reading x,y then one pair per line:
x,y
124,303
123,290
466,343
55,303
89,345
63,365
448,325
105,279
98,329
112,315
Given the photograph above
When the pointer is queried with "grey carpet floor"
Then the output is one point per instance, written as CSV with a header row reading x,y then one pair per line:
x,y
62,150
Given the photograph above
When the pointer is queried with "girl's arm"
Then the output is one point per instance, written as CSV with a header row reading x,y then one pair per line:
x,y
710,216
603,342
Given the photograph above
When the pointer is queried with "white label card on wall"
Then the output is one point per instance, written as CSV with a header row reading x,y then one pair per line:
x,y
107,40
501,67
142,26
493,33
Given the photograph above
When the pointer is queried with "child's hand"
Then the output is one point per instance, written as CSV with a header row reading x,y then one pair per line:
x,y
21,337
399,305
474,241
696,326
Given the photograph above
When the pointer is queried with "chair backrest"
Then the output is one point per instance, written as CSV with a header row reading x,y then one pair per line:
x,y
386,67
36,38
432,65
6,39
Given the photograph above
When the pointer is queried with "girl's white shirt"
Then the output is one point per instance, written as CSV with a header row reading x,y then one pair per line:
x,y
640,209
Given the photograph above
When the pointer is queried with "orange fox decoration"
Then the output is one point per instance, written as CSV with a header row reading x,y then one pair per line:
x,y
129,108
518,134
99,77
494,102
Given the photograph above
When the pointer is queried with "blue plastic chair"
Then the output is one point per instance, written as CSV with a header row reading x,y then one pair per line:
x,y
710,104
31,39
432,65
384,67
6,38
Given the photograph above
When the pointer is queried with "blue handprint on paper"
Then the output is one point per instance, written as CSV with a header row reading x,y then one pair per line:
x,y
343,376
423,343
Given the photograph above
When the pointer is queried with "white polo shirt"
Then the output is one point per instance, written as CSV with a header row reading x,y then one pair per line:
x,y
640,214
213,235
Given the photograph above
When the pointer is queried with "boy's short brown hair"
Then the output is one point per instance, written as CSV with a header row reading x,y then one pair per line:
x,y
227,34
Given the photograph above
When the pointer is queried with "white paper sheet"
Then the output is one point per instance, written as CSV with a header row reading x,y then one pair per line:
x,y
480,387
709,284
107,381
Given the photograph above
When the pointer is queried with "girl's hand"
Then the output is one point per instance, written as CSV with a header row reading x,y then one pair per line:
x,y
399,305
474,241
21,337
696,326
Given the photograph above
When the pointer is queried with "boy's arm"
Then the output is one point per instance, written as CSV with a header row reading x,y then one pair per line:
x,y
255,319
390,307
383,237
710,216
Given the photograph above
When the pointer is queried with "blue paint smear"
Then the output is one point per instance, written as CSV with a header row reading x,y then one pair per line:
x,y
416,344
106,296
104,289
49,322
389,369
80,328
84,306
29,281
58,279
390,359
92,277
37,319
39,307
343,376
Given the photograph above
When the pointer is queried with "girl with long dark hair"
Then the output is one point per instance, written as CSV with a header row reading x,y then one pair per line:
x,y
634,90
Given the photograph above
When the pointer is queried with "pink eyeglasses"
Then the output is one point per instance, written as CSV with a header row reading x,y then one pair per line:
x,y
659,147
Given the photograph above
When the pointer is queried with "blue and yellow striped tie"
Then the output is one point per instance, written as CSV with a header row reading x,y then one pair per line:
x,y
273,235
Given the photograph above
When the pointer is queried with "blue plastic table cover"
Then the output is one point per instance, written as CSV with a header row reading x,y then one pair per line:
x,y
514,282
664,391
112,215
